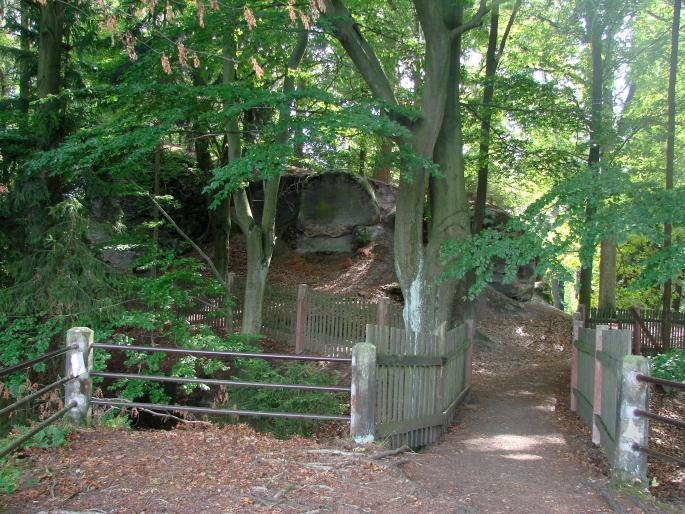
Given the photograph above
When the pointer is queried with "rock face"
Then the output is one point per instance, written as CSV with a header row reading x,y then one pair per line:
x,y
331,206
523,285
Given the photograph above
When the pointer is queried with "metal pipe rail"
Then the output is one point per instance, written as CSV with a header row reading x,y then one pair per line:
x,y
660,381
208,410
213,381
216,353
663,419
658,455
32,396
40,426
31,362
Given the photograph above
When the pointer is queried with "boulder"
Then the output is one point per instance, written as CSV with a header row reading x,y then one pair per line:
x,y
316,244
332,204
364,235
521,287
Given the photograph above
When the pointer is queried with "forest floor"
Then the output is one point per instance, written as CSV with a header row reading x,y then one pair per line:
x,y
515,447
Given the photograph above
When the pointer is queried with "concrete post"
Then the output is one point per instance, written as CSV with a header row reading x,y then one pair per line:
x,y
363,403
630,464
577,325
299,322
383,313
79,363
597,396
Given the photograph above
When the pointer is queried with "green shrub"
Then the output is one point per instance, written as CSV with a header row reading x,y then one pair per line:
x,y
285,400
669,365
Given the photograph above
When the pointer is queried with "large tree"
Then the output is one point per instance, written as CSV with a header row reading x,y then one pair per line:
x,y
435,137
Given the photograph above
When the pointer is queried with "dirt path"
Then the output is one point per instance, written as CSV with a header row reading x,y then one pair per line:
x,y
508,453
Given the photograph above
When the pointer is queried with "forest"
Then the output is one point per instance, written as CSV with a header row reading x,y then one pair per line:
x,y
145,143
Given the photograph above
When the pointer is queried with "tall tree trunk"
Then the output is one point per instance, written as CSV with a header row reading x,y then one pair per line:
x,y
260,234
597,90
49,73
670,151
382,170
492,57
607,274
24,63
428,302
486,119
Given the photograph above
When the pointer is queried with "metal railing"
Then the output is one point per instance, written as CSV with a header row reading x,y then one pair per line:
x,y
37,394
209,381
662,419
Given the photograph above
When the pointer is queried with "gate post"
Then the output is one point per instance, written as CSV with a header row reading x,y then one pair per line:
x,y
597,396
629,463
363,401
79,363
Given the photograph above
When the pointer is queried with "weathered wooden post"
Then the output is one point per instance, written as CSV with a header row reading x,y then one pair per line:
x,y
79,363
637,332
299,323
383,313
363,402
577,325
630,463
597,396
468,359
230,285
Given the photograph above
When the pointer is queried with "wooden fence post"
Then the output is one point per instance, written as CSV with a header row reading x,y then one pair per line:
x,y
363,395
631,464
79,363
468,359
637,332
301,314
230,284
577,325
383,313
597,396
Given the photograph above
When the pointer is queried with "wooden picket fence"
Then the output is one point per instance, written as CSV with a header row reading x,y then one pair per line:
x,y
421,380
316,322
646,336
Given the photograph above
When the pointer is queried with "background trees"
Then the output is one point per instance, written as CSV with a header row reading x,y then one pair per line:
x,y
563,108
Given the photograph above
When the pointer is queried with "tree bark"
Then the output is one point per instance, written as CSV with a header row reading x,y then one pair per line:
x,y
260,234
436,136
24,64
607,274
382,171
597,89
50,73
670,151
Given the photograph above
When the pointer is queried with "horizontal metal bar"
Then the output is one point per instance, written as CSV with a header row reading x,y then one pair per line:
x,y
31,362
38,393
215,353
660,381
24,437
213,381
657,417
658,455
209,410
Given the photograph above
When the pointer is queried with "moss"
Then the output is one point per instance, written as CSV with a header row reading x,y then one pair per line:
x,y
324,210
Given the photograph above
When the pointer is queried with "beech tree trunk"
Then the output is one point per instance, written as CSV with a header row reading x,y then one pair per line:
x,y
260,234
594,29
670,151
428,302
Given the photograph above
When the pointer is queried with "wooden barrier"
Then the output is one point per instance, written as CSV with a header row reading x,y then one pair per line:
x,y
421,380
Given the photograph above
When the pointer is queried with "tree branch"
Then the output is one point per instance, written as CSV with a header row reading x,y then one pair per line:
x,y
346,31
